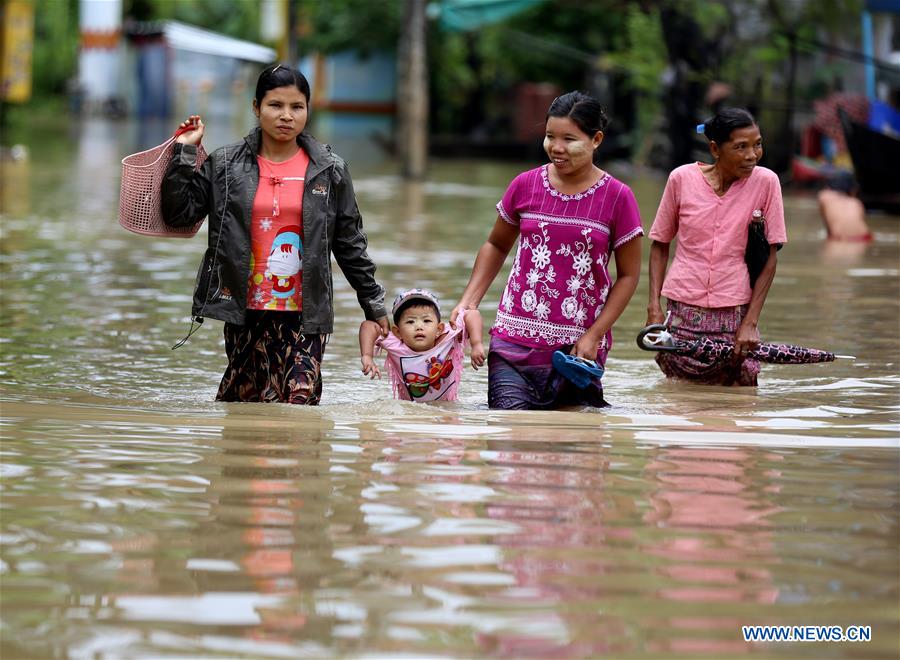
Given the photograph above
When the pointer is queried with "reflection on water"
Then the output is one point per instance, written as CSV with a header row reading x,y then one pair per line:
x,y
140,518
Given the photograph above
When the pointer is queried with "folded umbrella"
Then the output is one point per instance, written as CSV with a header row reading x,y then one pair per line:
x,y
657,337
711,351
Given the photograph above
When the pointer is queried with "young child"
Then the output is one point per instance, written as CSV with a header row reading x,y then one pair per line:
x,y
424,357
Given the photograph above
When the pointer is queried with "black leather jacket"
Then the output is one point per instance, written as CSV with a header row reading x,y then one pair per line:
x,y
223,189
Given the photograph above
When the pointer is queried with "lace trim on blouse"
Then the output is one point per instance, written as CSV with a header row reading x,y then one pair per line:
x,y
637,231
545,177
562,220
518,326
504,214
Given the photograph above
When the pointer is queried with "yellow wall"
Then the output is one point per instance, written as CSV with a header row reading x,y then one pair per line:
x,y
16,43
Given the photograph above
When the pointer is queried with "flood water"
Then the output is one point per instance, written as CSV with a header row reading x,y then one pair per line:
x,y
142,519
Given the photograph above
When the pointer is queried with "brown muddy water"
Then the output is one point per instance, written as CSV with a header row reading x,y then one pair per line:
x,y
142,519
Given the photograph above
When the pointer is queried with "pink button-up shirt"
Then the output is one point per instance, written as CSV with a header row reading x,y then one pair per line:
x,y
709,269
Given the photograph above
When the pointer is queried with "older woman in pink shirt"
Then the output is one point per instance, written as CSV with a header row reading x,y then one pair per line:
x,y
709,208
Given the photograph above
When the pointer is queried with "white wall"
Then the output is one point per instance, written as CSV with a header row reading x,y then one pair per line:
x,y
99,68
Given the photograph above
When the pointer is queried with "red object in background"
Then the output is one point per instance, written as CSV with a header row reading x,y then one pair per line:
x,y
530,115
827,121
805,170
811,142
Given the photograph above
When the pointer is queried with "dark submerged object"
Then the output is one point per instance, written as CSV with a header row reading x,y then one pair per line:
x,y
875,157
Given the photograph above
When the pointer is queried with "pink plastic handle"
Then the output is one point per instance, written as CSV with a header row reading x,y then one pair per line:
x,y
185,129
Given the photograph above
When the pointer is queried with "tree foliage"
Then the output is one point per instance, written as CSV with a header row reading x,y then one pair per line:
x,y
336,25
236,18
565,43
55,53
569,43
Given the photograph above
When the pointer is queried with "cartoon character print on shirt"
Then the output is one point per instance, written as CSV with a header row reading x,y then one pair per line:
x,y
437,371
284,263
427,377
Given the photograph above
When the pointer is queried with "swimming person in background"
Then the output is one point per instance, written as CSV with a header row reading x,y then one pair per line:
x,y
424,356
570,217
280,204
842,212
709,208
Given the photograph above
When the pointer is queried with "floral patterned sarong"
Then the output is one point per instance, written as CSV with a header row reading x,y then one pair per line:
x,y
690,323
271,360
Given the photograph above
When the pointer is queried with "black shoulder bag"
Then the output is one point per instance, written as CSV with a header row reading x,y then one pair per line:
x,y
757,252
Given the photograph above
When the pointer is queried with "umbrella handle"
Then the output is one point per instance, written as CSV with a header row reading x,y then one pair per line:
x,y
656,337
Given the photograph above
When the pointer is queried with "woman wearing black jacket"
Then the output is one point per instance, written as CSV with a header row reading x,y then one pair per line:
x,y
279,204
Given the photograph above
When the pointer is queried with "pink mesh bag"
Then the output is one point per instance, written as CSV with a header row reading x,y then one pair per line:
x,y
140,195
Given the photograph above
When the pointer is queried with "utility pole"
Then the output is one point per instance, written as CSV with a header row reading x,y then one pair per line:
x,y
412,92
278,20
100,54
290,33
789,18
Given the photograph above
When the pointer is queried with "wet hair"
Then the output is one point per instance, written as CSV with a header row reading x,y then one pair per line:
x,y
718,128
416,302
584,110
280,75
841,181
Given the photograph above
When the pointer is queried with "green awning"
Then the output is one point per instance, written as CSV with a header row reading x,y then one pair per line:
x,y
467,15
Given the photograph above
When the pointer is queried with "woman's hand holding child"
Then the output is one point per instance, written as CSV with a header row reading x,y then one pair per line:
x,y
477,354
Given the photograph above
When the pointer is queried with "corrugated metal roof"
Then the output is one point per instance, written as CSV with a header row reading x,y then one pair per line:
x,y
187,37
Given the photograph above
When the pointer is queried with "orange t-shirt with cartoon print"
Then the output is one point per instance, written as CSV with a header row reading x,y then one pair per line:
x,y
276,235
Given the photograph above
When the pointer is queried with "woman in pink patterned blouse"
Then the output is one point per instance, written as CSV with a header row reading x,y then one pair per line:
x,y
569,216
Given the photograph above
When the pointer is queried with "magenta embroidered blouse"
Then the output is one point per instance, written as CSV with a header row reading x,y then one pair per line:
x,y
559,281
709,268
